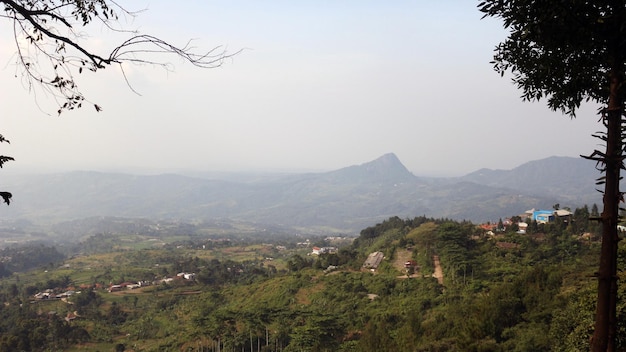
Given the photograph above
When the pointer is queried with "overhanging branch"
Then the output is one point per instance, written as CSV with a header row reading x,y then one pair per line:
x,y
66,55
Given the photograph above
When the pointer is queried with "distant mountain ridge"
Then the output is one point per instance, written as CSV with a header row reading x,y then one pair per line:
x,y
570,179
345,200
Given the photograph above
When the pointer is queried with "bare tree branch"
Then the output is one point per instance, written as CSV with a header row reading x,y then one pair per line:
x,y
50,51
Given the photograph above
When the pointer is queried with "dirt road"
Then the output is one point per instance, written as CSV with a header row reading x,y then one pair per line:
x,y
438,274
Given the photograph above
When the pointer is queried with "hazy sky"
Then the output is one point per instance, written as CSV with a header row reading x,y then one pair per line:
x,y
320,85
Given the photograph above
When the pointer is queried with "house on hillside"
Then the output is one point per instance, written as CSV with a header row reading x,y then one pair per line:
x,y
115,288
323,250
563,214
373,260
166,280
543,216
186,276
43,295
546,216
487,227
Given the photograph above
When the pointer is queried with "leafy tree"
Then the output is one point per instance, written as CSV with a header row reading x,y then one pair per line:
x,y
594,210
116,316
87,303
454,248
570,52
297,262
571,325
580,220
30,256
376,337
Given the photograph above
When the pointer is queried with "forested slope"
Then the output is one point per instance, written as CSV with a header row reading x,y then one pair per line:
x,y
508,292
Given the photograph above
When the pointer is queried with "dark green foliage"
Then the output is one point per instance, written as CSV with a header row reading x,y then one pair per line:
x,y
394,223
376,337
116,316
557,52
23,330
493,299
570,52
455,246
573,324
27,257
87,303
580,221
297,262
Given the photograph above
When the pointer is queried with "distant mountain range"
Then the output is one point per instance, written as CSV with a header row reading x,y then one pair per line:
x,y
345,200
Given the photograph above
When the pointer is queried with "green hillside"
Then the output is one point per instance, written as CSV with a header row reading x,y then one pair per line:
x,y
502,292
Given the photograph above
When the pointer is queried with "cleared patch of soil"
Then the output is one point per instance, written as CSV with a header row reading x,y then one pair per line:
x,y
402,256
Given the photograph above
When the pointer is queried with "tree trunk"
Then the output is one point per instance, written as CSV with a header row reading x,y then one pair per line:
x,y
603,339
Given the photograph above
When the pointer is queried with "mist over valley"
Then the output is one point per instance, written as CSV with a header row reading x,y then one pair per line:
x,y
343,201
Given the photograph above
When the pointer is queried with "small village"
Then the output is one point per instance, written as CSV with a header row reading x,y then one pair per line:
x,y
63,294
522,220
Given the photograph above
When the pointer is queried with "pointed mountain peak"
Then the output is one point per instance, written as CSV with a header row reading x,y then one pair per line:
x,y
385,168
388,161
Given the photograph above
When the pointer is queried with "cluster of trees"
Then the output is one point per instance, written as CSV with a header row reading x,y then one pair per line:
x,y
34,331
569,55
534,294
22,258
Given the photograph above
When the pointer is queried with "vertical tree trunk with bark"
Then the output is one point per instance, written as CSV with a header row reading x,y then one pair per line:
x,y
604,336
